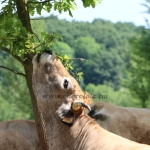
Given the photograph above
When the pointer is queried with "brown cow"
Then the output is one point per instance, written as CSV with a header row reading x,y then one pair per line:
x,y
131,123
18,135
54,89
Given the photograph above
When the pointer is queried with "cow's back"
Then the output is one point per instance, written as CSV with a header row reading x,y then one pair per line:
x,y
18,135
131,123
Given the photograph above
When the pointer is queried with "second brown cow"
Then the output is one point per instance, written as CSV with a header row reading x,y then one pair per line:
x,y
131,123
18,135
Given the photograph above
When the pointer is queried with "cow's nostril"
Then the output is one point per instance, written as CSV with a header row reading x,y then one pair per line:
x,y
65,84
49,51
38,57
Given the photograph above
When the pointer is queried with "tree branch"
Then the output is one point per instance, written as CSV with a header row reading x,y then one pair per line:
x,y
3,1
8,51
43,18
78,59
29,2
37,38
23,15
38,46
18,73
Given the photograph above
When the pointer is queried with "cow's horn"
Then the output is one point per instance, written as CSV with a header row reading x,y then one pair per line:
x,y
78,104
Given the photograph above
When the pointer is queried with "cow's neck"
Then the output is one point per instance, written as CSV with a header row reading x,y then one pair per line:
x,y
62,136
58,133
83,132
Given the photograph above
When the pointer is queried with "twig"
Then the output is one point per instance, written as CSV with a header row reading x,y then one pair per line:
x,y
43,18
37,37
8,51
38,46
38,40
3,1
78,59
29,2
18,73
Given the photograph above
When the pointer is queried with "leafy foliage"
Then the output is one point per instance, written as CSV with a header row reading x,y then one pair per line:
x,y
13,35
18,39
139,71
122,97
16,33
103,45
38,6
92,3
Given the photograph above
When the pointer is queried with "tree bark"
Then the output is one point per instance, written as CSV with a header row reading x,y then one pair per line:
x,y
143,103
23,14
37,114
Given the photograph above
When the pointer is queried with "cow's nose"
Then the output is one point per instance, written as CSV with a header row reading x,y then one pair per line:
x,y
38,57
49,52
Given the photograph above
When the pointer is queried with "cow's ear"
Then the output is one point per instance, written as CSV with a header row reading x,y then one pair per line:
x,y
69,118
97,115
65,113
100,116
68,112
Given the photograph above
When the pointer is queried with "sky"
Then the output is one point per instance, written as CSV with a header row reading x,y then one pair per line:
x,y
113,10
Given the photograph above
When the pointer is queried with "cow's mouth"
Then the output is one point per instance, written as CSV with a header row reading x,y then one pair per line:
x,y
49,52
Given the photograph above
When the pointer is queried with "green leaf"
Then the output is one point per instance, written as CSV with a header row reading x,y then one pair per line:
x,y
70,13
79,75
55,6
66,57
88,3
3,33
27,46
32,12
48,7
32,50
93,5
39,9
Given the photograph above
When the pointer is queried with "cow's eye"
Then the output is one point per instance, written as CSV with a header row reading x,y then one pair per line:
x,y
65,83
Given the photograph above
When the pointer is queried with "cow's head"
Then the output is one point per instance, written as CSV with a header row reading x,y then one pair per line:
x,y
56,85
51,72
97,112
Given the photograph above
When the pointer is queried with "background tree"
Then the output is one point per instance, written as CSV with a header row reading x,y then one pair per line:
x,y
139,72
13,89
102,43
121,97
106,48
112,56
105,66
18,39
139,69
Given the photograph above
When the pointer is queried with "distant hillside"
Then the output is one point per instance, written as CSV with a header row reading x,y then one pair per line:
x,y
104,44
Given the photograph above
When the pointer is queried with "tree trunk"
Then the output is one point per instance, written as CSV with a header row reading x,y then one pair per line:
x,y
143,103
37,113
23,15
